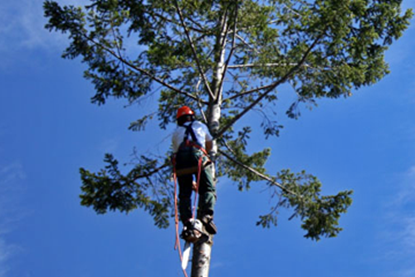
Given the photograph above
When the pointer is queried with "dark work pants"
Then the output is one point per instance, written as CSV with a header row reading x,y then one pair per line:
x,y
207,190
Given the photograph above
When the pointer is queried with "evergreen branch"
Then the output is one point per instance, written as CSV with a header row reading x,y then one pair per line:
x,y
271,87
259,174
145,72
199,66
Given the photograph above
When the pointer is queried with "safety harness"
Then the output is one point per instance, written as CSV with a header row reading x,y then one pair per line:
x,y
186,145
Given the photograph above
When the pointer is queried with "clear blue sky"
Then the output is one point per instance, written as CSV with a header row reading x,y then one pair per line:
x,y
48,129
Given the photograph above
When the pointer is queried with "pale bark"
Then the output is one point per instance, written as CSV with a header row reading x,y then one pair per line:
x,y
202,250
201,258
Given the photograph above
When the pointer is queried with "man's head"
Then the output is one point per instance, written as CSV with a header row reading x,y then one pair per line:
x,y
184,114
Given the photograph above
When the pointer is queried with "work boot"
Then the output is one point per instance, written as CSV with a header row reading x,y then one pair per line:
x,y
210,226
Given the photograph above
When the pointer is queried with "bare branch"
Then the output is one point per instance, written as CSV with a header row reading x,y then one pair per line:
x,y
271,87
249,65
259,174
150,173
249,92
199,104
201,28
246,43
172,21
205,81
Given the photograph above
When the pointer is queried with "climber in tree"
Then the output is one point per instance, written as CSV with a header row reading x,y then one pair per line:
x,y
192,142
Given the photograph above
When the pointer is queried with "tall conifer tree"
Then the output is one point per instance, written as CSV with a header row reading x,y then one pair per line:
x,y
226,58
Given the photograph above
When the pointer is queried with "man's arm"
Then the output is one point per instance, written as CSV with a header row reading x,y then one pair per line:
x,y
208,139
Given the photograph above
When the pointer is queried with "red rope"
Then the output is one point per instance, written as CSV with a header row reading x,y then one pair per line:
x,y
176,216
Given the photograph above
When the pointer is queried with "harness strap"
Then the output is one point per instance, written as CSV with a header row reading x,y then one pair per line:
x,y
194,142
189,130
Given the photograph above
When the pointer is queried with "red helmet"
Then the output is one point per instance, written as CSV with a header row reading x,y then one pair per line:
x,y
185,110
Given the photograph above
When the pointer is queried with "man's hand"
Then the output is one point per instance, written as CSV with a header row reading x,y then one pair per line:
x,y
194,186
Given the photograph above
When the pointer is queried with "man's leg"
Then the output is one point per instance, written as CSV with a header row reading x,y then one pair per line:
x,y
207,201
185,193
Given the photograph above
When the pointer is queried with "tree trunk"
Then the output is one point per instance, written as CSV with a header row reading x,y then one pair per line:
x,y
202,249
201,258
